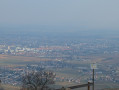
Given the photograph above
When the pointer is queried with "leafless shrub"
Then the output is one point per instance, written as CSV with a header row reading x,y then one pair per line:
x,y
37,80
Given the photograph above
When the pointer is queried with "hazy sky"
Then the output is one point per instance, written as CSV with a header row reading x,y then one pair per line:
x,y
60,14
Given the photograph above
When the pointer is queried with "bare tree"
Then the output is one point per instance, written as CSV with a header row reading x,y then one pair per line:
x,y
37,80
1,88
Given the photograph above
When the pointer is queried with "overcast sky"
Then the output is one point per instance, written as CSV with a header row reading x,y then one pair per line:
x,y
63,14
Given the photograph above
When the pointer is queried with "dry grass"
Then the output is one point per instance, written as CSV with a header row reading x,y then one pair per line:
x,y
9,87
3,56
7,59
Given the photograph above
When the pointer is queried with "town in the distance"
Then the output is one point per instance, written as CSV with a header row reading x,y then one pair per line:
x,y
68,56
